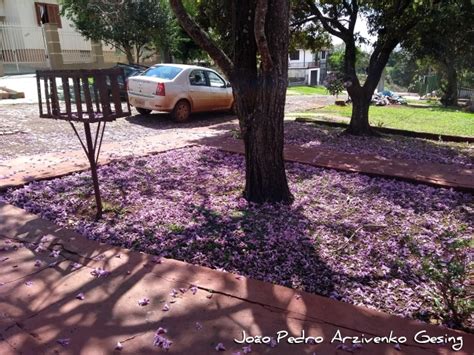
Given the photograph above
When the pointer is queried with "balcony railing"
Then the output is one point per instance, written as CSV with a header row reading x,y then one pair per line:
x,y
304,64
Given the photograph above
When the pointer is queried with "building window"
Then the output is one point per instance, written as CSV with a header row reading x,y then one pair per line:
x,y
323,54
295,55
47,13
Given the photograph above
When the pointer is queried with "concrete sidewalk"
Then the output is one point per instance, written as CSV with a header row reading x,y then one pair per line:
x,y
39,303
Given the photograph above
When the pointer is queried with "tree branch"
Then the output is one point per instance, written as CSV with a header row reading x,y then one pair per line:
x,y
325,21
303,21
353,16
201,37
260,37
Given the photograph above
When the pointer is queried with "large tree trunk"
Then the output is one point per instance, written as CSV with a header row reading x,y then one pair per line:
x,y
450,94
265,177
360,95
259,88
359,124
261,103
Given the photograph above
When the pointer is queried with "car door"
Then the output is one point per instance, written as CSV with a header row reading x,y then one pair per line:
x,y
221,96
199,90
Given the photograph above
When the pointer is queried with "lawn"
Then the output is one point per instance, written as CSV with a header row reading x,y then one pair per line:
x,y
432,119
363,240
307,90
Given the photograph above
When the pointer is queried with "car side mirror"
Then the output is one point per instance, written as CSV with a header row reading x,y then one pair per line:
x,y
227,85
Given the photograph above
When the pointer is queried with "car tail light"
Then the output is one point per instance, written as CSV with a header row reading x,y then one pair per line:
x,y
160,89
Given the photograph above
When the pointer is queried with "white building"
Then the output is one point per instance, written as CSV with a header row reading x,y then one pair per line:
x,y
307,67
22,41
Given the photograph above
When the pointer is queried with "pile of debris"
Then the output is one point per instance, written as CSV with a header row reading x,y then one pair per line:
x,y
387,97
6,93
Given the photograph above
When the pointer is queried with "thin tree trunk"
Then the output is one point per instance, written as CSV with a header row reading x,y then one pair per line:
x,y
137,50
128,53
166,55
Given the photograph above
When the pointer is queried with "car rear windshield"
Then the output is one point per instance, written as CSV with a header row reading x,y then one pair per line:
x,y
163,72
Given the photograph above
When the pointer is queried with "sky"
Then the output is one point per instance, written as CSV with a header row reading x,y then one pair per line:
x,y
361,27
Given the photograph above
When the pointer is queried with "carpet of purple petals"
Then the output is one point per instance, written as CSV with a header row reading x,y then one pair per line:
x,y
387,146
347,236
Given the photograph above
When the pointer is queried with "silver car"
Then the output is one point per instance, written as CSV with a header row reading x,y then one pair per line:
x,y
179,89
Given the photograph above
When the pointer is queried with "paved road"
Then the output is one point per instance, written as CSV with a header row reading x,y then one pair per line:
x,y
23,133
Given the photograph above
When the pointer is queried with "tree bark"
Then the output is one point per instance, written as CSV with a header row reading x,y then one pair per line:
x,y
450,94
359,124
259,92
128,53
263,95
262,132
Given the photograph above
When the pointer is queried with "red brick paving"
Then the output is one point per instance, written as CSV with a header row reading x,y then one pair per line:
x,y
34,317
442,175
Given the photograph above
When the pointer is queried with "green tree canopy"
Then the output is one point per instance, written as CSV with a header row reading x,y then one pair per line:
x,y
129,25
447,38
390,22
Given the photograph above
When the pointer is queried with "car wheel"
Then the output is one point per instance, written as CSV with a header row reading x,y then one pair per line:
x,y
143,111
181,111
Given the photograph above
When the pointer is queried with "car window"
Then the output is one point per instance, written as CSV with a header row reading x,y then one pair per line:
x,y
163,72
197,78
215,80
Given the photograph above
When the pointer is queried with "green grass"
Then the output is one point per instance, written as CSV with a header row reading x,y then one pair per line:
x,y
307,90
432,119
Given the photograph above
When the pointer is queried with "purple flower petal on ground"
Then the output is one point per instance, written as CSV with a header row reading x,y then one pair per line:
x,y
37,263
193,289
162,342
119,346
220,347
99,272
76,266
161,330
165,308
55,253
29,283
144,301
273,342
64,341
80,296
351,237
247,349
